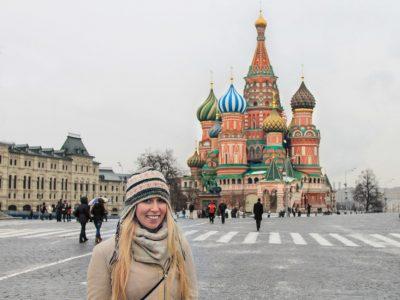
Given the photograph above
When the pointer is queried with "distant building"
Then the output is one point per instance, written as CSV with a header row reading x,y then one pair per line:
x,y
31,175
248,151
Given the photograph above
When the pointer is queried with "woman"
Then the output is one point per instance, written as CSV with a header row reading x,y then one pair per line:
x,y
98,211
82,215
148,258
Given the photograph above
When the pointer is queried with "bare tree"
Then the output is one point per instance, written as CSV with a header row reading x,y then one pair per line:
x,y
165,162
367,192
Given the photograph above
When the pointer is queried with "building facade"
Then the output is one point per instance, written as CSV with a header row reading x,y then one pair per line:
x,y
30,176
248,151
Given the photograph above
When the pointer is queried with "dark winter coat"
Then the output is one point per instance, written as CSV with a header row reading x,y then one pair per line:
x,y
82,213
98,212
222,208
258,211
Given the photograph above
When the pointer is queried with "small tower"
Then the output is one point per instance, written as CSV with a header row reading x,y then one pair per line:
x,y
304,136
206,114
195,163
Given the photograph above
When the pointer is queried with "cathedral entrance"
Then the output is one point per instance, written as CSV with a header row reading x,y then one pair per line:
x,y
250,201
273,201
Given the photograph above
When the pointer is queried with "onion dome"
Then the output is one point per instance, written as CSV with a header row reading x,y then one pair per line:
x,y
195,161
303,98
215,130
232,102
261,21
208,110
274,122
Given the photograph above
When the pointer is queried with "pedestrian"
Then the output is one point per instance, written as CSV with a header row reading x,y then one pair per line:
x,y
64,210
222,208
294,211
82,214
31,214
43,210
98,211
149,257
191,209
258,211
211,211
69,212
184,213
59,210
308,209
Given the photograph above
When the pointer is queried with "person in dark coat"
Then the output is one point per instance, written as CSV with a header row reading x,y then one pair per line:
x,y
222,208
98,212
258,211
82,214
59,211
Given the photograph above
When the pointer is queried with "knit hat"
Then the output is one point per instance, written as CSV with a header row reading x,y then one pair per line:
x,y
144,184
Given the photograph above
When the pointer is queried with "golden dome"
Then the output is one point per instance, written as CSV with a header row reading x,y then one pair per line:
x,y
274,122
195,161
261,21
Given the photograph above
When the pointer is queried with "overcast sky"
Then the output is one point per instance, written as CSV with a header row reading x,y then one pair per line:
x,y
129,75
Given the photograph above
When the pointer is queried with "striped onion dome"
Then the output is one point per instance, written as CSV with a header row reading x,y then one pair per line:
x,y
232,102
303,98
215,130
208,110
195,161
274,122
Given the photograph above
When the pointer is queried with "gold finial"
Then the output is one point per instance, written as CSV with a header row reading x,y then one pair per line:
x,y
231,75
212,79
302,72
274,102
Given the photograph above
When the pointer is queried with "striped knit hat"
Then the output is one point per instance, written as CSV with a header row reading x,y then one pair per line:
x,y
144,184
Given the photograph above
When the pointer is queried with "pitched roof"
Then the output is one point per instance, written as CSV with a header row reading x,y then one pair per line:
x,y
273,173
73,145
288,168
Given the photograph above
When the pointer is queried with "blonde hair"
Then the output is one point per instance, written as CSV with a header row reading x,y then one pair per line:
x,y
121,268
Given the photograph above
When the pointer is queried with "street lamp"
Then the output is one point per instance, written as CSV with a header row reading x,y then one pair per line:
x,y
345,185
287,180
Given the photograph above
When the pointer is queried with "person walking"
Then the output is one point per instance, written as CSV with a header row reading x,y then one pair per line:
x,y
191,209
222,209
149,257
43,210
98,211
59,211
64,208
308,209
69,212
258,211
82,214
211,211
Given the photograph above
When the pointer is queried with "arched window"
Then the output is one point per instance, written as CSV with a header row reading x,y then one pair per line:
x,y
239,181
224,181
256,180
315,180
249,181
233,181
26,207
12,207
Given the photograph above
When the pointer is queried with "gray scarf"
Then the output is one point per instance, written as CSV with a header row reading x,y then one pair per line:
x,y
149,247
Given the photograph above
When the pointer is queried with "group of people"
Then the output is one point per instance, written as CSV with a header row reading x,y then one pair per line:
x,y
63,211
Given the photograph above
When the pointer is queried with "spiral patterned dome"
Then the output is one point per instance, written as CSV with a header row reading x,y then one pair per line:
x,y
274,123
195,161
232,102
303,98
208,110
215,130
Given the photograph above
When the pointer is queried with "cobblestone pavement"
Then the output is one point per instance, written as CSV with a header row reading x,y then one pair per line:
x,y
339,257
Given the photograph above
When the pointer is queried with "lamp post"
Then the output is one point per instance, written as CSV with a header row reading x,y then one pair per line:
x,y
345,186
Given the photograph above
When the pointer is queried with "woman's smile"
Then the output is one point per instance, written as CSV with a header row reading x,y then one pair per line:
x,y
151,212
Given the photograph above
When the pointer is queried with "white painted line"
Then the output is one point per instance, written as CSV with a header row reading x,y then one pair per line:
x,y
275,238
205,236
10,231
386,240
32,231
91,233
298,239
74,232
250,238
366,241
44,266
45,234
320,240
189,232
396,235
227,237
344,240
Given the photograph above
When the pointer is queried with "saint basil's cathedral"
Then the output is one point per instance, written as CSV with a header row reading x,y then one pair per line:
x,y
247,151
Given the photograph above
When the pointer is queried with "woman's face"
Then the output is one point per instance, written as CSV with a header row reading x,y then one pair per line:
x,y
151,212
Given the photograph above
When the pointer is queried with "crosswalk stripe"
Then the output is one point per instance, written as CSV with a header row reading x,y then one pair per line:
x,y
344,240
320,240
9,232
205,236
91,232
396,235
298,239
190,232
57,231
73,233
227,237
250,238
274,238
25,232
386,240
366,241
